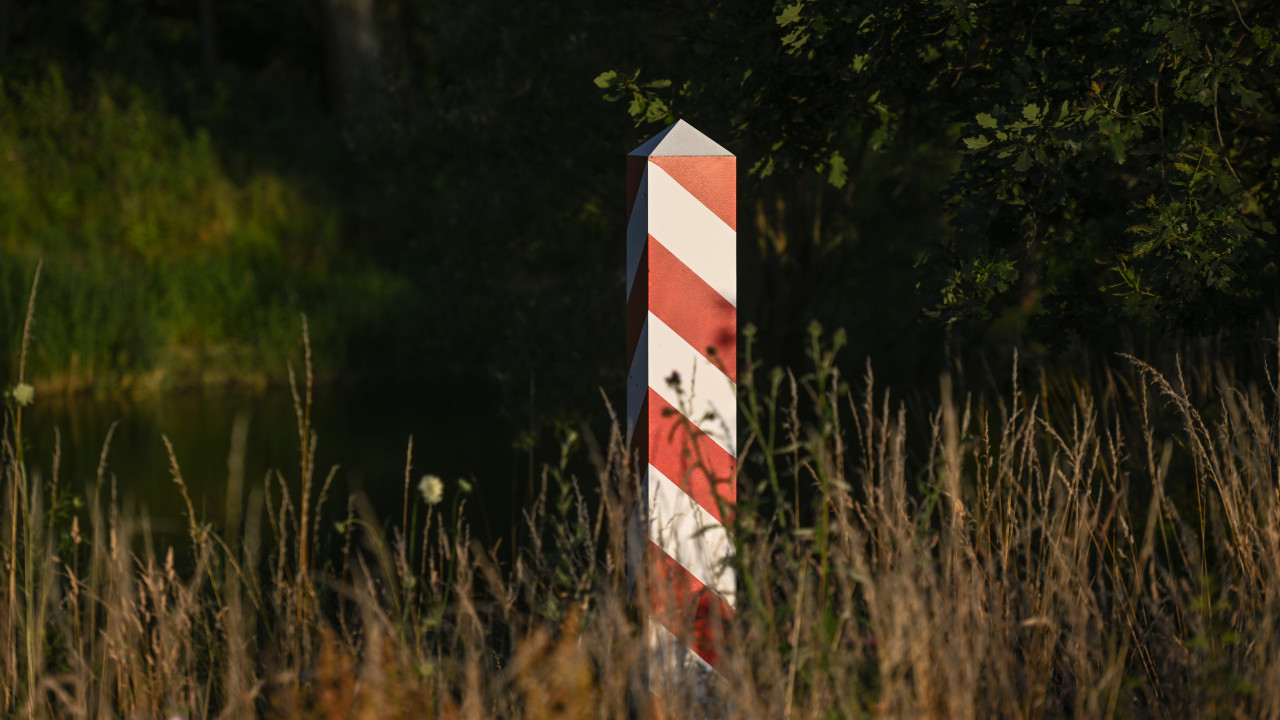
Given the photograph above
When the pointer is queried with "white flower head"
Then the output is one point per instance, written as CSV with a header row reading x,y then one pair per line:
x,y
432,489
23,394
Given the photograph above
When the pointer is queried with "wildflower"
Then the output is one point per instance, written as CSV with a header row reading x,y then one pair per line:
x,y
23,394
432,489
463,485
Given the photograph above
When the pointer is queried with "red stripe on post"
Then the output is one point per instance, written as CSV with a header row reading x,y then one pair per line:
x,y
688,305
694,462
690,610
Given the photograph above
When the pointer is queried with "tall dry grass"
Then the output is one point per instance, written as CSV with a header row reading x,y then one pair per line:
x,y
1083,549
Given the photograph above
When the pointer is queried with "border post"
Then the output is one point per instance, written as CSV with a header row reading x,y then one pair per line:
x,y
682,410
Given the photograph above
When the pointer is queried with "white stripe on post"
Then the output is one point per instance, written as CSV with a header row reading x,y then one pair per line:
x,y
674,520
694,234
704,395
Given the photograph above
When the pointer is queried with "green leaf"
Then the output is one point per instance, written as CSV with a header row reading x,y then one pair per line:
x,y
606,79
790,14
657,110
839,173
1031,112
985,120
976,143
1249,97
795,39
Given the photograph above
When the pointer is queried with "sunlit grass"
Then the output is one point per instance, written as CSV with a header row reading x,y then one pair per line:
x,y
1111,552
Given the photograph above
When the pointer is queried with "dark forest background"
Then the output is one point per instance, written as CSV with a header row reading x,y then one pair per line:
x,y
439,187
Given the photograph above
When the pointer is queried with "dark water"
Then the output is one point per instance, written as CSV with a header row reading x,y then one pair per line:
x,y
456,434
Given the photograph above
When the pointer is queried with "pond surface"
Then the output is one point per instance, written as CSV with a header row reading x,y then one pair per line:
x,y
456,434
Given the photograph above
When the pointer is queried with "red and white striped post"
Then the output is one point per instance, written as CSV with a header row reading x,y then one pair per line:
x,y
682,405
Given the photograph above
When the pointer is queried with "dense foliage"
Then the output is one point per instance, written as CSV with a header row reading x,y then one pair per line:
x,y
1115,164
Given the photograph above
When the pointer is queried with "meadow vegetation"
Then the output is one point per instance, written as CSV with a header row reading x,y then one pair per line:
x,y
206,267
1086,546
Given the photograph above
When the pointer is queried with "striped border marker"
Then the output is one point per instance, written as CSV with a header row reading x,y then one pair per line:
x,y
682,407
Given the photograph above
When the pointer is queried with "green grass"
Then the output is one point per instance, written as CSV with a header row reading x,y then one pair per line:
x,y
164,268
1089,547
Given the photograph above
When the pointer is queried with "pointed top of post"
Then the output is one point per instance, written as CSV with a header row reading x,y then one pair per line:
x,y
680,140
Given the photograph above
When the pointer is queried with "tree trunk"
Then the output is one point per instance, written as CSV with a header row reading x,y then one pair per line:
x,y
354,62
5,23
208,36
